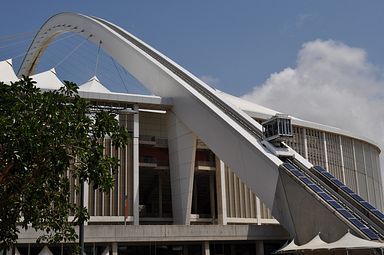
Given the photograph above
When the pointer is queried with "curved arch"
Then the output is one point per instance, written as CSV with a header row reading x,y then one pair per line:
x,y
142,61
194,102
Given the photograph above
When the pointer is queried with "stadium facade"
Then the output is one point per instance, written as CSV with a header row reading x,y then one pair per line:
x,y
184,185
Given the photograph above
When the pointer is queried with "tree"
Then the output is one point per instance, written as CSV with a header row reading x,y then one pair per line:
x,y
46,138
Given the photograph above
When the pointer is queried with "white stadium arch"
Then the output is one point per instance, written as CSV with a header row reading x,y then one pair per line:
x,y
235,137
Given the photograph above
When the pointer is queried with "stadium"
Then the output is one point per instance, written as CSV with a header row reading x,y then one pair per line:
x,y
199,175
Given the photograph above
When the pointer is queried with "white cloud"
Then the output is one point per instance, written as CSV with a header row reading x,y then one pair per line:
x,y
303,19
332,84
210,80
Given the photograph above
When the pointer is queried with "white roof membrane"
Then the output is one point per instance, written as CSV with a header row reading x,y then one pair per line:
x,y
47,80
94,85
7,74
348,241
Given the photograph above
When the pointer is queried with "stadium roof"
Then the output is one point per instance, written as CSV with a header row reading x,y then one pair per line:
x,y
93,89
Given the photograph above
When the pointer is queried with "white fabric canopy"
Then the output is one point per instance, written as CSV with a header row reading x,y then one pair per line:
x,y
290,247
17,252
7,74
315,244
45,251
94,85
47,80
348,241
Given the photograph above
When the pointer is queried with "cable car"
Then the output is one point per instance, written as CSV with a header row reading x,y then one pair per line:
x,y
278,128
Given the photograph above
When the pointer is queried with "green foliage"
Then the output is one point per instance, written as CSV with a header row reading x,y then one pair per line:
x,y
46,139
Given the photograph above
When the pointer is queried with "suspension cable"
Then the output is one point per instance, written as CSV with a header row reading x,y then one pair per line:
x,y
11,37
121,78
97,57
54,42
14,43
70,53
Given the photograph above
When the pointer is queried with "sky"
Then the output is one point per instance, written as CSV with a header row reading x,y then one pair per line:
x,y
318,60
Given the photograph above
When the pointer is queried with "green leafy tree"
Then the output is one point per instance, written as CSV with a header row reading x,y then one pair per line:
x,y
46,139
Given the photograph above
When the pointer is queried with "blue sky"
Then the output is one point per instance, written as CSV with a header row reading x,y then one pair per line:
x,y
317,60
321,61
235,44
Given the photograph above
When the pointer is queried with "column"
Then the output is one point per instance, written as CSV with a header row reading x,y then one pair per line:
x,y
366,176
160,195
135,164
86,198
325,152
212,196
221,195
305,143
355,166
259,248
342,159
206,248
114,249
258,211
182,152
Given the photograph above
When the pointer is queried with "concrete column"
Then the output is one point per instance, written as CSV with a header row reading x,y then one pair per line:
x,y
206,248
106,251
325,152
355,165
114,248
342,159
366,176
160,195
258,211
381,184
232,211
221,195
212,196
236,195
102,194
241,198
305,143
86,198
182,151
259,248
247,202
135,165
111,190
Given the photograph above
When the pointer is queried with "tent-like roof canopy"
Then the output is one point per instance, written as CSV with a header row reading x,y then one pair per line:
x,y
47,80
290,247
315,244
7,72
45,251
348,241
94,85
353,242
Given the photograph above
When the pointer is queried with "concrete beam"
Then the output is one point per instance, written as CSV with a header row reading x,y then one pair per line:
x,y
170,233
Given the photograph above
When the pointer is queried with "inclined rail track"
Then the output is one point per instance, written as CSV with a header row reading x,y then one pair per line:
x,y
218,102
333,199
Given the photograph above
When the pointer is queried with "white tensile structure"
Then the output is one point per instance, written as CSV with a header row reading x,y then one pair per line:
x,y
198,176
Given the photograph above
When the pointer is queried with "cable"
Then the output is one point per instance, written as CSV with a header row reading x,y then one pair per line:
x,y
121,78
97,58
13,36
136,84
54,42
15,43
66,57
